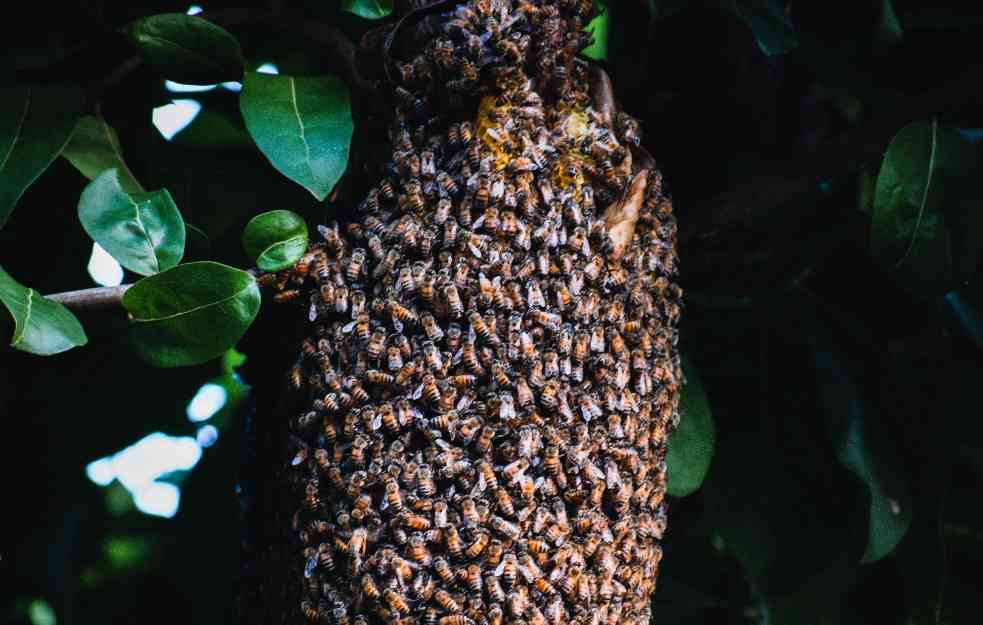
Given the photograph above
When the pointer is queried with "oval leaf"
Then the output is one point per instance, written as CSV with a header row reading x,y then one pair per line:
x,y
41,326
143,231
191,313
303,125
598,28
94,148
187,49
863,447
691,444
35,124
275,240
369,9
927,227
769,22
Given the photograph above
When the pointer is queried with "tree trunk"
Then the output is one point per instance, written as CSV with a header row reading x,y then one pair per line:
x,y
481,367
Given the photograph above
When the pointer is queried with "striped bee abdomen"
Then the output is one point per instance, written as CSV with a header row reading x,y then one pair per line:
x,y
490,368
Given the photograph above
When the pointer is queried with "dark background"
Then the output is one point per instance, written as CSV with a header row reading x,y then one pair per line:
x,y
796,333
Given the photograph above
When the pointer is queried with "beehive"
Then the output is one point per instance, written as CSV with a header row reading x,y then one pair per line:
x,y
490,370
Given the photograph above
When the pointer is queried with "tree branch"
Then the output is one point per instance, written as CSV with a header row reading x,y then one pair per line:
x,y
99,298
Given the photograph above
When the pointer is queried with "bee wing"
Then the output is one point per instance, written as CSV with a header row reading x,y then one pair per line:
x,y
376,421
312,313
348,327
500,568
418,393
397,325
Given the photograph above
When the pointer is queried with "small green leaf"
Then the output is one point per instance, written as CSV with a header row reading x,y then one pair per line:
x,y
927,227
369,9
303,125
598,28
143,231
691,444
191,313
41,326
275,240
94,148
35,125
769,23
187,49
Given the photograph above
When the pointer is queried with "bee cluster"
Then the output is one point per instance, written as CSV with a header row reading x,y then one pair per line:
x,y
489,376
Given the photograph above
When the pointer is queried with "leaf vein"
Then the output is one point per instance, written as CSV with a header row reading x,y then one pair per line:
x,y
928,185
20,126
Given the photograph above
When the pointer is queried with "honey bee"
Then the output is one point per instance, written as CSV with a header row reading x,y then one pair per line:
x,y
443,570
446,601
395,601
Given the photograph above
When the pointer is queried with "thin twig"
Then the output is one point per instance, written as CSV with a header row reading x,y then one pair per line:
x,y
99,298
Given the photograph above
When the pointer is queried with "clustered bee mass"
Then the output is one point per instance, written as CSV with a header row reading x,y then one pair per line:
x,y
490,378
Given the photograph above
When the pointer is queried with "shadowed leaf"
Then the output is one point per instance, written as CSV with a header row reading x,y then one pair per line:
x,y
35,125
275,240
691,445
927,227
187,49
94,148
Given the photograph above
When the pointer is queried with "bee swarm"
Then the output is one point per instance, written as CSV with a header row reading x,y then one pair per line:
x,y
490,370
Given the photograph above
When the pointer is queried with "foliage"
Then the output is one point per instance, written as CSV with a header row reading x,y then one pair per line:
x,y
827,467
275,240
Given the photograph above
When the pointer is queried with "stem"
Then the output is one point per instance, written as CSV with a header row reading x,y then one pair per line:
x,y
98,298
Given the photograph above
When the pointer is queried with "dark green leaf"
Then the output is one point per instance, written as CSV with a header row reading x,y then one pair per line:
x,y
94,148
41,326
863,448
187,49
196,243
303,125
769,23
143,231
691,445
191,313
275,240
598,28
889,29
35,124
927,227
966,315
369,9
659,9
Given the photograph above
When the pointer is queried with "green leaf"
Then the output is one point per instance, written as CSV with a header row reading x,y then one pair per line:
x,y
769,23
191,313
927,227
369,9
187,49
211,130
41,326
303,125
143,231
889,31
691,444
598,28
94,148
863,448
35,125
275,240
